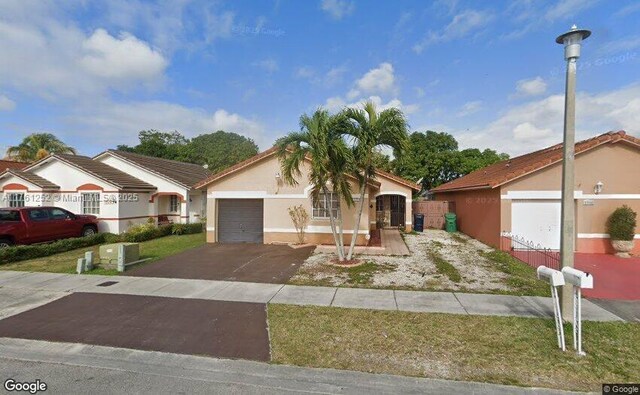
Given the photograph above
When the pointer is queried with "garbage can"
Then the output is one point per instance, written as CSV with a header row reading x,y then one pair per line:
x,y
450,222
418,222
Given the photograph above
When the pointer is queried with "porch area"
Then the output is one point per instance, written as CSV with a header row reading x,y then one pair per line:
x,y
391,211
391,243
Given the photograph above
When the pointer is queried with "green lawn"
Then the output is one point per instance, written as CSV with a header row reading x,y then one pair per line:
x,y
504,350
66,262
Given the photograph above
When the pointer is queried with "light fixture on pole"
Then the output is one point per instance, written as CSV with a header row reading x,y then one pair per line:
x,y
572,42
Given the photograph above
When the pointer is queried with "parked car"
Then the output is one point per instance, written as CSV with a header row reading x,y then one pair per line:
x,y
28,225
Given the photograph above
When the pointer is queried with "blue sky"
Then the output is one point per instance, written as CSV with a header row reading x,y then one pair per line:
x,y
95,73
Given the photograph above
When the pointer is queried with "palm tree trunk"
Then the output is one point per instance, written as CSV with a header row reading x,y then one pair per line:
x,y
340,233
333,227
356,228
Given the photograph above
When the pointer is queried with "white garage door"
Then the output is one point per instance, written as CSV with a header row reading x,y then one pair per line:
x,y
537,221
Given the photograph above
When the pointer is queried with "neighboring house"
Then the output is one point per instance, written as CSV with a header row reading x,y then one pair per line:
x,y
248,202
521,196
11,164
121,189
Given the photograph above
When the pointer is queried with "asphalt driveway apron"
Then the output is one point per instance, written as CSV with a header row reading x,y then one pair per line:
x,y
183,326
259,263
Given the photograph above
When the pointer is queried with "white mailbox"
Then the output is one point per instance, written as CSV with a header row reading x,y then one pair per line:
x,y
555,279
577,277
552,276
579,280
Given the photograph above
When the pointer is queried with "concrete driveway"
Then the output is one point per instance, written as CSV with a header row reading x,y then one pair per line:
x,y
258,263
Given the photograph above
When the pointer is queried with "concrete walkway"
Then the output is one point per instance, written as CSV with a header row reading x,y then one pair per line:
x,y
77,368
379,299
390,240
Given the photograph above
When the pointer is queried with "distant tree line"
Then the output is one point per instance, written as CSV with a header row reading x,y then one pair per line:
x,y
217,150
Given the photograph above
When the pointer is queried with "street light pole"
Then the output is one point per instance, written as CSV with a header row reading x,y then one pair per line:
x,y
571,41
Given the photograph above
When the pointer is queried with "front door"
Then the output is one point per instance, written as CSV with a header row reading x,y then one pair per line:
x,y
397,210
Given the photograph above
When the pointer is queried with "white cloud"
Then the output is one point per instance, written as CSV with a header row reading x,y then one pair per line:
x,y
528,132
378,80
332,77
336,103
564,9
531,87
118,123
46,55
462,24
305,72
470,107
268,65
337,9
620,45
121,59
420,92
539,123
6,104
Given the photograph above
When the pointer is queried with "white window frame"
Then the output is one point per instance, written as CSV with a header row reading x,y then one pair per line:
x,y
320,209
174,204
93,206
14,201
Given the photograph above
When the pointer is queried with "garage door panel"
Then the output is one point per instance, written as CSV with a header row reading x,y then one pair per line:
x,y
537,221
240,220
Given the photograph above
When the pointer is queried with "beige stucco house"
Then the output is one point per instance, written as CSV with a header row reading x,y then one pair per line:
x,y
249,202
521,196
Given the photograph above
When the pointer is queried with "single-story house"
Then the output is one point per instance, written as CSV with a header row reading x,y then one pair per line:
x,y
120,188
521,196
249,202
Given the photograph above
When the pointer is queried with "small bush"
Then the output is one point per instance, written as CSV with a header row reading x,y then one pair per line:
x,y
141,232
21,253
165,230
621,224
186,229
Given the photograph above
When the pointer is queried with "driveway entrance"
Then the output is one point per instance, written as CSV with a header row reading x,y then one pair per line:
x,y
259,263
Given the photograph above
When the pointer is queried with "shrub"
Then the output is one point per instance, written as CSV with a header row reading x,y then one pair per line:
x,y
621,224
300,219
141,232
21,253
165,230
186,229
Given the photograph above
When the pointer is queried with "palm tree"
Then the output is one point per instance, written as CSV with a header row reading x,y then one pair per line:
x,y
330,161
370,131
36,146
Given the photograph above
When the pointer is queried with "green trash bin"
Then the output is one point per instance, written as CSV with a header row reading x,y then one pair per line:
x,y
450,222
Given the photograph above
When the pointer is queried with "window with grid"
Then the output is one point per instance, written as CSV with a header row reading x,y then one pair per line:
x,y
16,200
174,204
321,207
379,203
91,203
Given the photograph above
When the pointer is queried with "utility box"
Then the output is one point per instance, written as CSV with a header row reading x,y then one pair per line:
x,y
109,254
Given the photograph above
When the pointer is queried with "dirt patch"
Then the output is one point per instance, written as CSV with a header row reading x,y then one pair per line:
x,y
462,266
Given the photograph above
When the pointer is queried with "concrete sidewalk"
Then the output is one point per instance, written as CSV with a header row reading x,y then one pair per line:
x,y
358,298
77,368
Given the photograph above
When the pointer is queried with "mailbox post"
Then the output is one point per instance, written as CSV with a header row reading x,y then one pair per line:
x,y
555,280
579,280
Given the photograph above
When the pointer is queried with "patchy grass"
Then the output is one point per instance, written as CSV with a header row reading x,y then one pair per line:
x,y
521,277
504,350
361,275
457,237
66,262
442,265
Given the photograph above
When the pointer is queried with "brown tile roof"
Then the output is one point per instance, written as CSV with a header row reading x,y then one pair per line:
x,y
11,164
113,176
32,178
186,174
503,172
272,151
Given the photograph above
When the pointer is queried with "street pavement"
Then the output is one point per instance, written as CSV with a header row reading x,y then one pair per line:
x,y
77,368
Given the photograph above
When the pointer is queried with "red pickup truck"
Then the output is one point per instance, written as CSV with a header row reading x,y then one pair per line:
x,y
27,225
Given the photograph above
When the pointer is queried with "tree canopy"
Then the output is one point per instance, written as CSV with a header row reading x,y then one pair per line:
x,y
434,157
36,146
217,150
